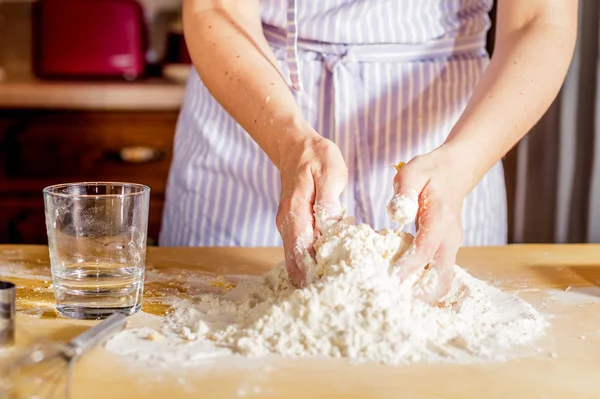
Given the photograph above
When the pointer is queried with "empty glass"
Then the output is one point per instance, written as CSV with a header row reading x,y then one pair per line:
x,y
97,241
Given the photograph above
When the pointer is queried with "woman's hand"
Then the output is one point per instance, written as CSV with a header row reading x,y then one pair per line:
x,y
312,172
438,185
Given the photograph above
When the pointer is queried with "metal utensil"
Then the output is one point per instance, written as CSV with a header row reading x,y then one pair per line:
x,y
39,372
7,313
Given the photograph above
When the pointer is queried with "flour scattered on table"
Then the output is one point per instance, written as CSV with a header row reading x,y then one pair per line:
x,y
575,295
355,309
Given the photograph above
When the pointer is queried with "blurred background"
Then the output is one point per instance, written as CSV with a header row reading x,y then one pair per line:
x,y
90,90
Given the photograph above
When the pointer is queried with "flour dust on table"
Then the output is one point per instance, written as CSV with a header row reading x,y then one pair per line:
x,y
353,307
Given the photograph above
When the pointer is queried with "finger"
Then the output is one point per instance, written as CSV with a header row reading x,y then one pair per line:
x,y
404,205
326,215
297,234
443,267
328,188
406,180
430,235
296,226
403,208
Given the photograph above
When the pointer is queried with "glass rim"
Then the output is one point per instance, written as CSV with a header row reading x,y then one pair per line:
x,y
48,190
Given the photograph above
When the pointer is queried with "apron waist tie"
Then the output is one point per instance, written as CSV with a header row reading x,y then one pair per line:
x,y
389,52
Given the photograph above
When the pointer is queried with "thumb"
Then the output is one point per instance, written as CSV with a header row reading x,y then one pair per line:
x,y
432,228
404,205
327,208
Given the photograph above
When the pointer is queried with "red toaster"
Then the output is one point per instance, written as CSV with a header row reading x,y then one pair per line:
x,y
89,39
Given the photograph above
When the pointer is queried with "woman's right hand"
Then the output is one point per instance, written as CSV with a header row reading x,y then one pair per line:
x,y
313,175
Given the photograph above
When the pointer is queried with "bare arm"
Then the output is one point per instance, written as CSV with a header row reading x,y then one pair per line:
x,y
535,43
235,62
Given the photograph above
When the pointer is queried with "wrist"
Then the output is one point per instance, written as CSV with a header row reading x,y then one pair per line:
x,y
294,133
465,161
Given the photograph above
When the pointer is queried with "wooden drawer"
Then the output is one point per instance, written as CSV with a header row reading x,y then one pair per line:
x,y
41,148
76,146
22,221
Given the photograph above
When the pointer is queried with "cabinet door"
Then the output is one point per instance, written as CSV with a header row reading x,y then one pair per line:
x,y
41,148
22,221
75,146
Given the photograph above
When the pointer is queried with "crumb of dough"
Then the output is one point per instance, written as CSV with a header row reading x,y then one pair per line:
x,y
220,282
187,334
155,336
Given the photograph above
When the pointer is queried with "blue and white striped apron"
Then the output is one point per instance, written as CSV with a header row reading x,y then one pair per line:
x,y
384,79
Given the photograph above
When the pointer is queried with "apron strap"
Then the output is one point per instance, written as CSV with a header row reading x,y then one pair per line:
x,y
291,48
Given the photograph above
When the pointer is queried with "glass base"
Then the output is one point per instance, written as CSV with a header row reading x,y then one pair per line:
x,y
86,313
95,291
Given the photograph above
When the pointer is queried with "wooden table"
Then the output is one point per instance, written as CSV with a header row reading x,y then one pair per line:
x,y
567,364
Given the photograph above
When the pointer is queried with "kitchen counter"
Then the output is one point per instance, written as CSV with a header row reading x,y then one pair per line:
x,y
151,95
560,281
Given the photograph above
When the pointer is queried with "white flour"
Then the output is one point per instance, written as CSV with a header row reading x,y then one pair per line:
x,y
403,208
355,309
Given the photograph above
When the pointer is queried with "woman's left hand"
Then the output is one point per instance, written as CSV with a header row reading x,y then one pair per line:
x,y
438,184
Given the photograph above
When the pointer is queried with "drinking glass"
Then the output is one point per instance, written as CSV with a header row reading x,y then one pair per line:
x,y
97,243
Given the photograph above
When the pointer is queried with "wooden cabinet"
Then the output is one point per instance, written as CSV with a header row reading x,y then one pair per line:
x,y
40,148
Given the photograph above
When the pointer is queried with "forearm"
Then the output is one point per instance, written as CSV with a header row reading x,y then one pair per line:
x,y
236,64
521,81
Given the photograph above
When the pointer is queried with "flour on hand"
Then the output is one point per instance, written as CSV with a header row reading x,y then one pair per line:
x,y
403,208
355,308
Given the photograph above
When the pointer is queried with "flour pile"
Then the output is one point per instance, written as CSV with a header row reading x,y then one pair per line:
x,y
355,309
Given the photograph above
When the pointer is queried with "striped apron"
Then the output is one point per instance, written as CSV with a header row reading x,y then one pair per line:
x,y
384,79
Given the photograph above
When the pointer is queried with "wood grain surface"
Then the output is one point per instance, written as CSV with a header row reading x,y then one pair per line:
x,y
560,281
